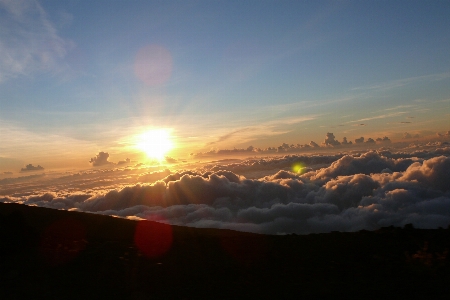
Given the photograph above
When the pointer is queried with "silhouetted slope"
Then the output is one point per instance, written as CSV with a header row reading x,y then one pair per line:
x,y
53,254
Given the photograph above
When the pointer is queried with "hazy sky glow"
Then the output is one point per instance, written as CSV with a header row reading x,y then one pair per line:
x,y
78,78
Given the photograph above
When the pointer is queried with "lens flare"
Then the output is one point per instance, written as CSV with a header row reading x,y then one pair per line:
x,y
297,168
153,65
153,239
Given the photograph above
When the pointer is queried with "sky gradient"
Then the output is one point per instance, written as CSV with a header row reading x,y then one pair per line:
x,y
78,78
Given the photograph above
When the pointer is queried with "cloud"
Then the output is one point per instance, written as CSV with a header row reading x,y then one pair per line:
x,y
228,136
402,82
367,163
29,42
283,148
123,162
447,134
28,178
378,117
384,140
406,135
330,140
260,167
100,159
170,160
30,167
434,173
313,144
349,192
345,142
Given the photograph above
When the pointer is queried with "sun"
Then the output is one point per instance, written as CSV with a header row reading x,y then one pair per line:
x,y
155,143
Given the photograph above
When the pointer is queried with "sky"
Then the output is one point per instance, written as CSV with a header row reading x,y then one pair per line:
x,y
273,117
82,83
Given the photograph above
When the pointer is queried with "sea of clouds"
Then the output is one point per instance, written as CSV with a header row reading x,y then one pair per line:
x,y
273,195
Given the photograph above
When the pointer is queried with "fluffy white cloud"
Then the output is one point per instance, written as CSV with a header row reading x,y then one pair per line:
x,y
367,163
351,192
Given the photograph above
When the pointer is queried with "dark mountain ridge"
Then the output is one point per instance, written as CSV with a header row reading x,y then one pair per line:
x,y
49,254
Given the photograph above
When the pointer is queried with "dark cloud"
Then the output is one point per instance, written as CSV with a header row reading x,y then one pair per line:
x,y
406,135
30,167
100,159
434,173
313,144
121,162
345,142
360,140
370,141
384,140
330,140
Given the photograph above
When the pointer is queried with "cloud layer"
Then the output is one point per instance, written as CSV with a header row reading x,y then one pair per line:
x,y
343,192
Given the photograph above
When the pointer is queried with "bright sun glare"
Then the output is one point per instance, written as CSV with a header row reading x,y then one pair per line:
x,y
155,143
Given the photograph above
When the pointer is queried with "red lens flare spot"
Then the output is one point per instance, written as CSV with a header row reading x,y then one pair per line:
x,y
153,65
153,239
62,241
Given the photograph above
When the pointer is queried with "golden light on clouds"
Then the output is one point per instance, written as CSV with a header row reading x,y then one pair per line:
x,y
155,143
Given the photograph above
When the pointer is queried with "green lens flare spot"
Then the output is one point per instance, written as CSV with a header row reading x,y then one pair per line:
x,y
297,168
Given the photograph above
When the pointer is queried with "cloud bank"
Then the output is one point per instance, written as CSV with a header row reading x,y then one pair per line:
x,y
330,141
342,192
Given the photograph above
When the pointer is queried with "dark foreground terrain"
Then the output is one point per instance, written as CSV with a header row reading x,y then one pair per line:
x,y
51,254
